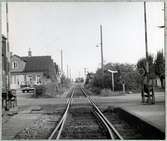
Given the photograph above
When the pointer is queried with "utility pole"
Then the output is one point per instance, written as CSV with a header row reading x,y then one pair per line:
x,y
165,35
67,71
101,44
8,50
8,57
7,26
146,44
70,74
85,71
61,67
61,61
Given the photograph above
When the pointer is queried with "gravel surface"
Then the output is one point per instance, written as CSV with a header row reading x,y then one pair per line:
x,y
7,115
81,124
42,127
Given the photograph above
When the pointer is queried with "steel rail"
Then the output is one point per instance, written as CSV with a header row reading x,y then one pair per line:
x,y
103,118
106,125
61,123
109,123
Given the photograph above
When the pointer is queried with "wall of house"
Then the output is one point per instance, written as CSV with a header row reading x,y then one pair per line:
x,y
17,64
16,81
19,79
34,78
37,78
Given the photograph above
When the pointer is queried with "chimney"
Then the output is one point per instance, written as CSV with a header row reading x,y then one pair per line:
x,y
29,53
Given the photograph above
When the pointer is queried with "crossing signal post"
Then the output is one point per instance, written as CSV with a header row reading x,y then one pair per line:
x,y
112,72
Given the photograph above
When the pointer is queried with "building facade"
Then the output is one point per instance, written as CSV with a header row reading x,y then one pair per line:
x,y
32,70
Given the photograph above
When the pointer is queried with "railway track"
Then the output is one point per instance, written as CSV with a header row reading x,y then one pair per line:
x,y
107,129
114,134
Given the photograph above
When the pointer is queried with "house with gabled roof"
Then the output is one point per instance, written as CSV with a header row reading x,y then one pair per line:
x,y
32,70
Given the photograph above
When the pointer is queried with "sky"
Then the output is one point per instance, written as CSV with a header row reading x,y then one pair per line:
x,y
48,27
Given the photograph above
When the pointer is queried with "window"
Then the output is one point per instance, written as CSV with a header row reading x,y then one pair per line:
x,y
38,79
14,65
30,77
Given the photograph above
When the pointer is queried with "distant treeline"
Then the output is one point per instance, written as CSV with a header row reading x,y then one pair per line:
x,y
131,75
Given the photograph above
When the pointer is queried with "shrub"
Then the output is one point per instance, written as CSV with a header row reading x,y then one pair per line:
x,y
51,89
39,90
96,90
106,92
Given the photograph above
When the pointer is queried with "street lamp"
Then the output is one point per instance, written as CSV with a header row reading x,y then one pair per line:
x,y
112,72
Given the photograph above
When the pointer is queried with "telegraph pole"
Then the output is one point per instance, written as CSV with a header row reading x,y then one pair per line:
x,y
146,44
8,50
67,71
8,56
61,67
165,35
61,61
7,26
70,73
85,71
101,44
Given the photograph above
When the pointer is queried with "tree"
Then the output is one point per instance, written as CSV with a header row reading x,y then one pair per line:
x,y
160,67
126,73
89,78
141,64
132,80
65,81
98,79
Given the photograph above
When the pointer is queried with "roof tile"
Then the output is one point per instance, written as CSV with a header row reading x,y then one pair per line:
x,y
37,63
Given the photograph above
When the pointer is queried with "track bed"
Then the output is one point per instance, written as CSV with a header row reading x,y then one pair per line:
x,y
82,124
